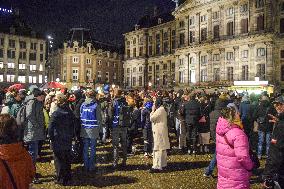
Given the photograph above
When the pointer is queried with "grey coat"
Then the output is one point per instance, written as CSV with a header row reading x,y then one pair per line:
x,y
35,128
94,132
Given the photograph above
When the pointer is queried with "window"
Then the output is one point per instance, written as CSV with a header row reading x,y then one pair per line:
x,y
165,36
11,54
128,43
282,25
191,21
203,75
134,41
134,52
158,45
203,34
75,60
114,76
181,24
150,39
12,43
41,47
282,54
203,18
166,47
191,36
140,69
245,73
128,70
33,46
1,78
157,68
99,76
181,76
10,78
150,50
244,25
40,67
244,54
88,61
230,74
259,3
191,60
216,57
141,51
39,78
128,53
88,75
260,71
181,39
32,79
173,66
140,81
282,72
230,28
1,41
150,68
108,64
164,78
1,65
260,52
230,55
134,81
282,7
23,45
22,79
1,53
114,65
75,74
173,33
41,57
260,23
203,59
99,62
216,74
149,78
33,56
215,15
216,32
244,8
230,11
107,77
32,67
181,62
134,69
22,66
11,65
23,56
165,66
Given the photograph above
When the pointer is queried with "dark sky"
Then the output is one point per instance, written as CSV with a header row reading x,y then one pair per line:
x,y
108,19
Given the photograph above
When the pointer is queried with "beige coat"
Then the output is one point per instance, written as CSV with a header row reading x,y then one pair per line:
x,y
160,129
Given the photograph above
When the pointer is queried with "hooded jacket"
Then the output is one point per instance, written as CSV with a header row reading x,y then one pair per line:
x,y
20,164
145,115
234,164
262,110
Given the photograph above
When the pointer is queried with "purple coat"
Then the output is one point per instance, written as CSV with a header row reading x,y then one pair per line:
x,y
234,164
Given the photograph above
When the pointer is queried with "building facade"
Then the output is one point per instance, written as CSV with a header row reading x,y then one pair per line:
x,y
84,62
221,41
22,52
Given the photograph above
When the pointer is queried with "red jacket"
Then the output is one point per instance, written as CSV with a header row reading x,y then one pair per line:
x,y
20,164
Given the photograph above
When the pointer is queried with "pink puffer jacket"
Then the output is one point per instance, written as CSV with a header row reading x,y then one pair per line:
x,y
234,164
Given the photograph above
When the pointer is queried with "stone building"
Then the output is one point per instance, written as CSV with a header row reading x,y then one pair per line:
x,y
22,51
220,41
84,62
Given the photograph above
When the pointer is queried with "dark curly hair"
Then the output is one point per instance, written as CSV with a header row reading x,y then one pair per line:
x,y
8,128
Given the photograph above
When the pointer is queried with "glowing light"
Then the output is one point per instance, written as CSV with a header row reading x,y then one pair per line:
x,y
249,83
149,84
4,10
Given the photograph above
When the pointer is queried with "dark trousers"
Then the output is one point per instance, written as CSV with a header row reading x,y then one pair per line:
x,y
191,136
119,135
130,138
148,140
62,164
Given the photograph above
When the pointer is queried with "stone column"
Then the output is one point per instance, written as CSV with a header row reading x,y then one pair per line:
x,y
268,63
236,18
222,22
209,31
237,64
198,67
252,66
223,65
197,28
210,66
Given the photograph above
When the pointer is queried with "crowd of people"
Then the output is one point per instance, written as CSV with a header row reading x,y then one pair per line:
x,y
245,129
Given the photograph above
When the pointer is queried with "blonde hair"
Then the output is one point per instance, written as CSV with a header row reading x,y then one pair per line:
x,y
228,113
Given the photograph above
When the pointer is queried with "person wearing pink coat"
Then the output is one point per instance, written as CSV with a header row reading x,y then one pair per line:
x,y
232,148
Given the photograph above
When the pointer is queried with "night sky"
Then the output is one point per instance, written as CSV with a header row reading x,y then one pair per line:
x,y
108,19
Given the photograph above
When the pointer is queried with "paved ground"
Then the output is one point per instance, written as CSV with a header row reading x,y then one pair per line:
x,y
185,171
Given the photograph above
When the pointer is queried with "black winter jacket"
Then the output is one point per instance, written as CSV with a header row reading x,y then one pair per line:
x,y
191,111
262,110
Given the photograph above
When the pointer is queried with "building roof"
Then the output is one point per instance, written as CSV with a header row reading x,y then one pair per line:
x,y
83,37
13,23
148,21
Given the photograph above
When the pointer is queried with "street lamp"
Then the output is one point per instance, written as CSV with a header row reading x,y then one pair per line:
x,y
150,84
113,86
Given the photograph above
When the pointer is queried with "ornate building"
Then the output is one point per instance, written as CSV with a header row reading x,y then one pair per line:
x,y
22,51
224,41
83,62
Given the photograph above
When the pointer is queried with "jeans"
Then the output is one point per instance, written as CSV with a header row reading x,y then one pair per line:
x,y
119,135
104,136
192,134
261,136
33,150
177,127
209,170
89,158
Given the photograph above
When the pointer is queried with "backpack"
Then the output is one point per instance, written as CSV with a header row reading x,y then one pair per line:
x,y
21,117
124,114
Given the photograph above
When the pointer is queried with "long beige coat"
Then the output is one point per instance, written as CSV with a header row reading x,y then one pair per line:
x,y
160,129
